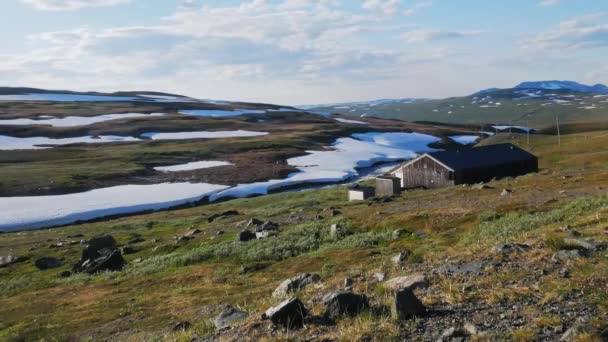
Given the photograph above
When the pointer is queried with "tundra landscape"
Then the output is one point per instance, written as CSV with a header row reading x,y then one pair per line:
x,y
126,215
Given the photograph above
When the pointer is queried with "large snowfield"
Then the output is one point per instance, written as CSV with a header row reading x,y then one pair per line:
x,y
75,121
21,213
221,113
338,163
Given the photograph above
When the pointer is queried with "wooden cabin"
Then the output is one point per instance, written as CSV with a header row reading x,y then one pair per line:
x,y
387,186
465,166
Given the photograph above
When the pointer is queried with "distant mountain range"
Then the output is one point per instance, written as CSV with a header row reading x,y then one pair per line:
x,y
554,85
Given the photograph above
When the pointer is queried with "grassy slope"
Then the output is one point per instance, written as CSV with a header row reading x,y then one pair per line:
x,y
461,110
192,281
82,167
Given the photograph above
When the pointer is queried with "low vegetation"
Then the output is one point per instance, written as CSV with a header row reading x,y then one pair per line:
x,y
530,294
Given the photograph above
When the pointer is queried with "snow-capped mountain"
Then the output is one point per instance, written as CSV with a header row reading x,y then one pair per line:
x,y
564,85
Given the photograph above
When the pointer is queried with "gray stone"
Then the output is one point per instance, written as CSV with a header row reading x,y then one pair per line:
x,y
565,255
245,236
228,317
264,234
379,276
470,267
398,233
181,326
509,248
65,274
128,250
334,231
266,226
575,330
100,255
400,258
344,303
412,282
406,305
296,283
136,240
506,192
289,314
47,263
253,223
193,232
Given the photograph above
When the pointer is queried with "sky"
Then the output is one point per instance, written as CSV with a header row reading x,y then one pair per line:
x,y
301,51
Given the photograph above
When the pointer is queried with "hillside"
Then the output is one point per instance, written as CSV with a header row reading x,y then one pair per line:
x,y
184,266
526,105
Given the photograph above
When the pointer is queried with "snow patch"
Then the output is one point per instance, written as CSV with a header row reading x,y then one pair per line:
x,y
74,121
192,166
37,143
21,213
202,135
221,113
465,139
350,121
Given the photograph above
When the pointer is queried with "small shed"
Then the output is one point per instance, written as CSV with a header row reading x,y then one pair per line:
x,y
465,166
388,186
360,193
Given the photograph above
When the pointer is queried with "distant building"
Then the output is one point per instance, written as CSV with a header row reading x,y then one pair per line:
x,y
387,186
360,193
465,166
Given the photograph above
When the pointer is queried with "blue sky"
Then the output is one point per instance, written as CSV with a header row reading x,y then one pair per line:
x,y
301,51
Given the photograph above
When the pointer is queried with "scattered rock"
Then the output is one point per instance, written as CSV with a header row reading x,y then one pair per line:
x,y
245,236
344,303
253,267
565,255
100,255
181,326
65,274
379,276
348,283
47,263
219,232
412,282
296,283
400,258
334,231
267,226
253,223
574,331
264,235
184,238
6,260
223,215
289,313
334,213
587,248
228,317
406,305
471,267
506,192
510,248
138,260
193,232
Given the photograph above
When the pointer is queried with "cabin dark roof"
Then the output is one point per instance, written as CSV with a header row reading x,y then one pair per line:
x,y
480,157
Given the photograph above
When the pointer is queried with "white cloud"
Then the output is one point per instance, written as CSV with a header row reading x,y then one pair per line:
x,y
549,2
70,5
417,7
388,7
424,36
585,31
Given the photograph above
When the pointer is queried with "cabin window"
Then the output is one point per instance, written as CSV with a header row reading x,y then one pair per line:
x,y
451,175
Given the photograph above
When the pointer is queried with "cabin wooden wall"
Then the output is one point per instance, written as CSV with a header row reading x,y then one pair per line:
x,y
426,173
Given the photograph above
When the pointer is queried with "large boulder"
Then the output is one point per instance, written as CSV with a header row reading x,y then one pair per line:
x,y
406,305
228,317
411,282
296,283
289,313
101,254
344,303
47,263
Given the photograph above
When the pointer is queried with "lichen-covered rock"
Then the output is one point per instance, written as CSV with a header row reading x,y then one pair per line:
x,y
296,283
344,303
228,317
289,314
411,282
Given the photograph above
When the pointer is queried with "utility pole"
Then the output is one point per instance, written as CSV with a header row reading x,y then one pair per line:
x,y
559,137
528,130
